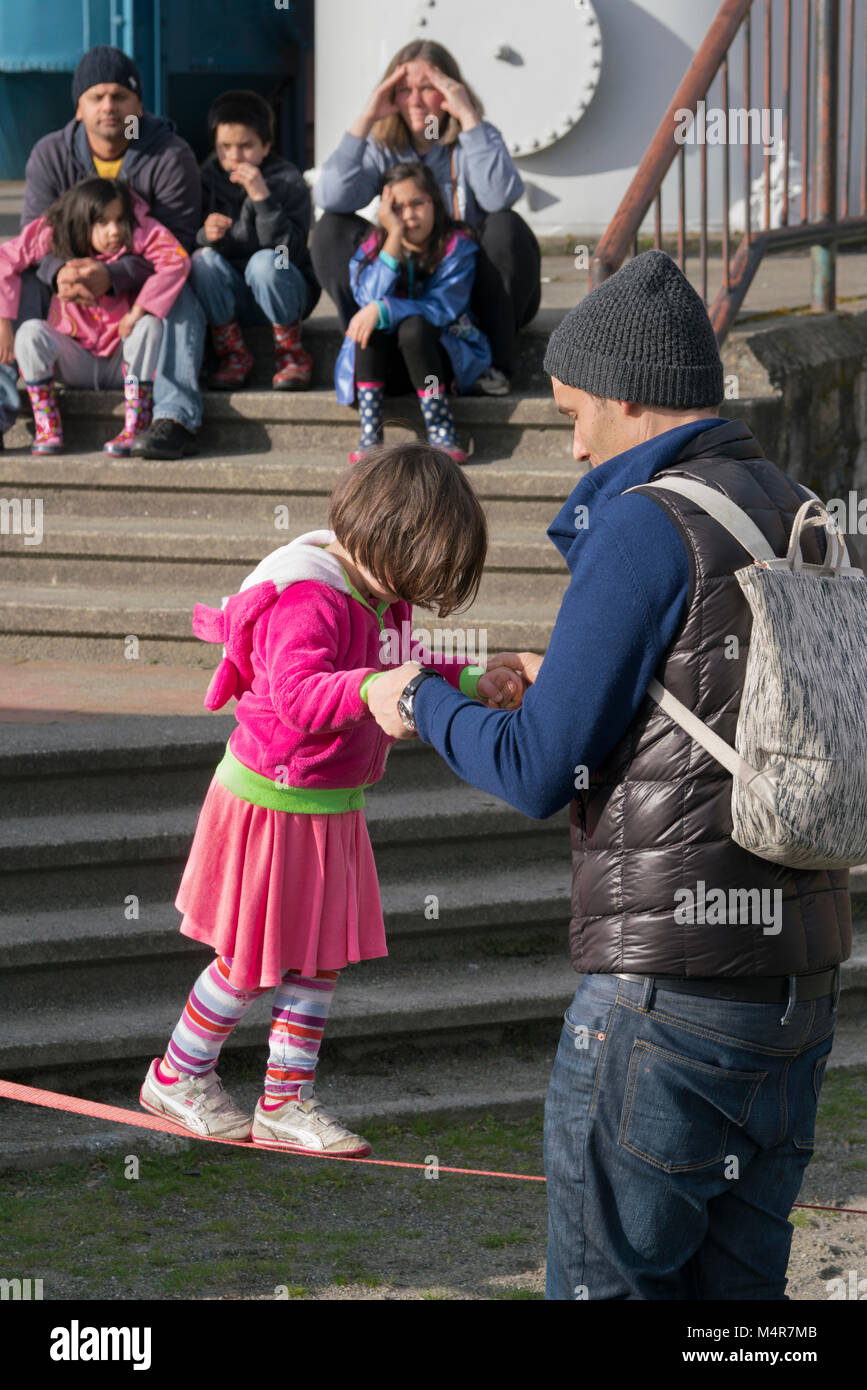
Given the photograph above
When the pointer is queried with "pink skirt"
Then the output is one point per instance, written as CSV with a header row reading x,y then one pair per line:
x,y
280,890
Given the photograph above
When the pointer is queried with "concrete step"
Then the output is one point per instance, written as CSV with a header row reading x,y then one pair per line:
x,y
508,904
143,762
92,622
311,421
133,486
108,1032
375,1005
104,858
187,553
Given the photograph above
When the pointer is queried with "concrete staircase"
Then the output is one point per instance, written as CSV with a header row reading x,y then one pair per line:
x,y
130,545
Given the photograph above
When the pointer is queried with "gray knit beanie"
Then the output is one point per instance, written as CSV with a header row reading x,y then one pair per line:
x,y
643,336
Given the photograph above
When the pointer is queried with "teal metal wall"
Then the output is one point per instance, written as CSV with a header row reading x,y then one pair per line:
x,y
187,52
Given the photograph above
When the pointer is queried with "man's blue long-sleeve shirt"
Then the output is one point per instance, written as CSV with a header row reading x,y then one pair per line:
x,y
626,597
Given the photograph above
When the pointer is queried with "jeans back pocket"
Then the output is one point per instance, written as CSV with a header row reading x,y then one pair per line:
x,y
677,1111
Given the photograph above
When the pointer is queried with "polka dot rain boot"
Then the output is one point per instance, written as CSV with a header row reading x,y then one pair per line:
x,y
439,423
370,411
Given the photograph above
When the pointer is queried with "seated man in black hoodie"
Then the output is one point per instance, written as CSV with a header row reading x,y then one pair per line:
x,y
111,135
254,265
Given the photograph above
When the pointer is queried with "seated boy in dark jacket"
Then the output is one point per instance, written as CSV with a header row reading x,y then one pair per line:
x,y
255,266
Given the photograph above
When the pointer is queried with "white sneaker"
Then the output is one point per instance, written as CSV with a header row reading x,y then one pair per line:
x,y
304,1127
199,1103
492,382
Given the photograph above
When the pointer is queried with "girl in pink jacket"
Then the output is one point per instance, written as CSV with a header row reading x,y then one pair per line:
x,y
281,880
108,342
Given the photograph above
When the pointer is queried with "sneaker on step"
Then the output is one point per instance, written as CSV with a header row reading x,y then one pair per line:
x,y
199,1103
166,439
303,1126
492,382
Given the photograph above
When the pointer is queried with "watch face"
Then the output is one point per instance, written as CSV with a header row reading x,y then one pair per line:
x,y
404,709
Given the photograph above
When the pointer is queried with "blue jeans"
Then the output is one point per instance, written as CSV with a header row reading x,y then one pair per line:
x,y
677,1131
33,304
265,293
176,384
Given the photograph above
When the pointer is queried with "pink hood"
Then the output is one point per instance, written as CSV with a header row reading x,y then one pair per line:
x,y
298,647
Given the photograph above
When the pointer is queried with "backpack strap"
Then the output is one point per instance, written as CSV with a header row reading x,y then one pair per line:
x,y
747,534
722,509
731,760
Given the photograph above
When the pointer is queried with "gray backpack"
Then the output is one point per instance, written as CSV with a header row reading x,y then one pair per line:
x,y
799,764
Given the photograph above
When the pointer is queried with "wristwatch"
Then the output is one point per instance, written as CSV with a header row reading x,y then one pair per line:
x,y
407,696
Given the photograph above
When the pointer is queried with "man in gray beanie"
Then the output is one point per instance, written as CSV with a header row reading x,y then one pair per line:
x,y
681,1110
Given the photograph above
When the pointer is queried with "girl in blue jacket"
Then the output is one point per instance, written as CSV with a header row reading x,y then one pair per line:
x,y
412,278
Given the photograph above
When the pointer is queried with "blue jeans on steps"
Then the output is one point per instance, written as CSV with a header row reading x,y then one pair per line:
x,y
677,1131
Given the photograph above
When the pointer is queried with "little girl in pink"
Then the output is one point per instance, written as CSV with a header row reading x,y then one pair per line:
x,y
281,880
109,343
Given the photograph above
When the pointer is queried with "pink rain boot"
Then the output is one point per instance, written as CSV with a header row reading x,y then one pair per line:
x,y
46,415
139,398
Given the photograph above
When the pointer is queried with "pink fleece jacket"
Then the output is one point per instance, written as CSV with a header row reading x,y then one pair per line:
x,y
94,326
298,648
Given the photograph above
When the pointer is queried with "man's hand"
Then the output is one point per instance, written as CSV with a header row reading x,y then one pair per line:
x,y
216,225
527,664
129,320
83,280
250,177
7,343
382,697
362,324
501,687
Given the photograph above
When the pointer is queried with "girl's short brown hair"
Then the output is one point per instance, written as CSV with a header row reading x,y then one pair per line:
x,y
407,514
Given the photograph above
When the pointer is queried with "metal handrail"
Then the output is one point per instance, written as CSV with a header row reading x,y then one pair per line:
x,y
829,226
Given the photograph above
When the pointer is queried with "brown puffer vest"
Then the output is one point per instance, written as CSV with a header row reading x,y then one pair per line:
x,y
656,815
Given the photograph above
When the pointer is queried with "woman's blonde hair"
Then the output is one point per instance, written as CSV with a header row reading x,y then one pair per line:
x,y
392,131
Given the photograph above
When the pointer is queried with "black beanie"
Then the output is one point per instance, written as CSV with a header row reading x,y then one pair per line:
x,y
643,336
104,64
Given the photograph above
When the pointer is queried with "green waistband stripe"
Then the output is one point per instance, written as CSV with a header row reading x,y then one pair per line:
x,y
261,791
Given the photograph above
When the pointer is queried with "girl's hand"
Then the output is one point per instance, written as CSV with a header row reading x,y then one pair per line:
x,y
381,102
250,176
386,213
500,687
455,97
362,324
216,225
7,342
129,321
527,664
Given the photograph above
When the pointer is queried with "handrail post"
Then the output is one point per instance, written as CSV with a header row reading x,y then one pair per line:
x,y
824,258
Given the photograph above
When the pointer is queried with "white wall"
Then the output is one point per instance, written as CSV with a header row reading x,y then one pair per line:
x,y
574,185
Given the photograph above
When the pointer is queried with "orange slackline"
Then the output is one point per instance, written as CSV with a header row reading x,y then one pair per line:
x,y
56,1101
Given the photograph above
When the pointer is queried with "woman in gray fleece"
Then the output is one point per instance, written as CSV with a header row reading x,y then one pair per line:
x,y
423,109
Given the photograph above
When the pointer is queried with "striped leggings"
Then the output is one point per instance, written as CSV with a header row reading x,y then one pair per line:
x,y
298,1015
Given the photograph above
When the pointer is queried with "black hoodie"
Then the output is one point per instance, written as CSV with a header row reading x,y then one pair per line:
x,y
159,165
281,219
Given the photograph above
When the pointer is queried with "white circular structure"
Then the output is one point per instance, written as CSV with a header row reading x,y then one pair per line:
x,y
534,90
